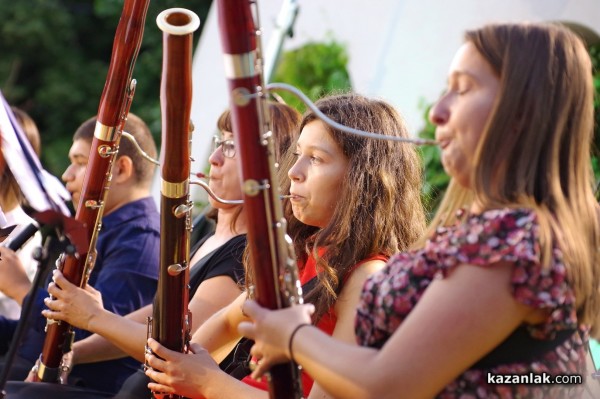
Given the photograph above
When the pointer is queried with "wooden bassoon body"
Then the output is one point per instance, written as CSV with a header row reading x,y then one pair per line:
x,y
171,321
275,275
112,113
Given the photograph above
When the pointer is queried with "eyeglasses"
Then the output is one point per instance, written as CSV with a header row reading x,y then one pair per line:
x,y
228,146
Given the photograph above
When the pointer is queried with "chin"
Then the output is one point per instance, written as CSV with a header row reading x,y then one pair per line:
x,y
309,221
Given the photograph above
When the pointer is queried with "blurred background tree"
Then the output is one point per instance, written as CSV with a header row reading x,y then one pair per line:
x,y
55,56
435,179
595,55
316,69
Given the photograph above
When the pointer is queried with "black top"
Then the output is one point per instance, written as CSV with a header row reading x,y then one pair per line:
x,y
223,261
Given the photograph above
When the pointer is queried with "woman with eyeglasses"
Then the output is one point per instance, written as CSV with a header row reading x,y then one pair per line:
x,y
216,274
354,202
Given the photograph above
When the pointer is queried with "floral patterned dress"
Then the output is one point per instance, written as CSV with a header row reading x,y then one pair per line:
x,y
510,235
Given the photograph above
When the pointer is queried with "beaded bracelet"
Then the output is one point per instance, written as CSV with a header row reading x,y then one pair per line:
x,y
298,327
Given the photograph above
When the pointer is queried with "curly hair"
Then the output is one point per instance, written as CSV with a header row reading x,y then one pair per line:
x,y
379,209
284,125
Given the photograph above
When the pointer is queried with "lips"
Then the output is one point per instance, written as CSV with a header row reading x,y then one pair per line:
x,y
295,197
72,192
443,138
444,143
75,197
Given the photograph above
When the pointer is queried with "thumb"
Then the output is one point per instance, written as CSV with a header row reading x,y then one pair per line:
x,y
308,309
246,329
253,310
92,290
61,281
158,349
195,348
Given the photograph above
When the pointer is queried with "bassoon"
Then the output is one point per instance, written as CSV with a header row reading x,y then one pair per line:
x,y
112,113
275,275
171,320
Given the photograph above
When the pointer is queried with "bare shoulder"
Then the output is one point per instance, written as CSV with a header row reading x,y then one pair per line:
x,y
361,272
355,281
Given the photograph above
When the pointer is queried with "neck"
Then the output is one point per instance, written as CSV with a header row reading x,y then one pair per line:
x,y
476,207
223,232
224,219
119,198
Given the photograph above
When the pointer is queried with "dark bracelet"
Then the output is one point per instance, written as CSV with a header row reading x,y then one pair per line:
x,y
298,327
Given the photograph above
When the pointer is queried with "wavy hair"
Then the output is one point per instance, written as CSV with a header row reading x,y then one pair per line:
x,y
379,209
284,125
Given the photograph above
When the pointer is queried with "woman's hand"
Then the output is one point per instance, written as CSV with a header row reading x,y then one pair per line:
x,y
271,331
71,303
14,282
32,376
186,374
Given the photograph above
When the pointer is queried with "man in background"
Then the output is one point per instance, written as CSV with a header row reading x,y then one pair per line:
x,y
126,270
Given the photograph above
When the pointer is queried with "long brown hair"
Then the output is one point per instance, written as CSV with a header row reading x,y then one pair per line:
x,y
29,128
379,209
284,125
10,192
535,149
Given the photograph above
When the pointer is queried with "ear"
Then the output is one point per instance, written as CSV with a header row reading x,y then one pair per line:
x,y
123,169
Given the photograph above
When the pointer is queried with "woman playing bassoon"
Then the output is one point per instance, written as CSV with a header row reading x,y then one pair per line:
x,y
344,222
216,274
499,297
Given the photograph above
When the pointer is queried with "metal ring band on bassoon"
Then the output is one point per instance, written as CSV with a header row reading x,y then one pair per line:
x,y
238,66
46,373
174,190
105,133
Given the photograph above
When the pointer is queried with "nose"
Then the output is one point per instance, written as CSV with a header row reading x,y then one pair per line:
x,y
68,174
439,112
295,173
216,157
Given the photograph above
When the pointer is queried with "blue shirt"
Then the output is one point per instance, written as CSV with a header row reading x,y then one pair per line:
x,y
126,273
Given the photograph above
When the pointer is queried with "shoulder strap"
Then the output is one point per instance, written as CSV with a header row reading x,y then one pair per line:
x,y
520,347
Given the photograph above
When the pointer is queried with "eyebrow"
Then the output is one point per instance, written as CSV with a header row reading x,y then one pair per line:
x,y
315,147
78,156
460,73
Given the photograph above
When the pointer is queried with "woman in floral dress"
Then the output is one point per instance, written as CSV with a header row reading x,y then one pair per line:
x,y
498,299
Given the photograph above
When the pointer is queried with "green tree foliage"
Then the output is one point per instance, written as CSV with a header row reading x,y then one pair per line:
x,y
435,178
55,56
316,69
